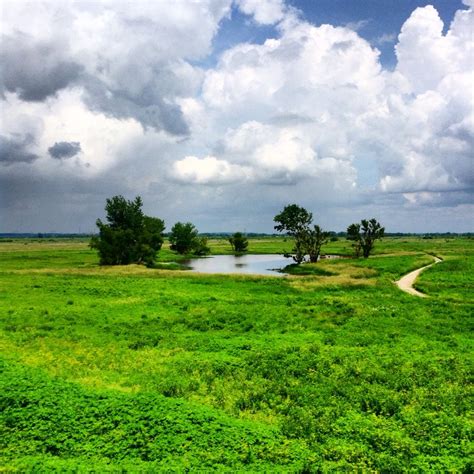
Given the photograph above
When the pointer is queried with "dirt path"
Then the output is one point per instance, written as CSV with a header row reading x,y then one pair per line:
x,y
406,282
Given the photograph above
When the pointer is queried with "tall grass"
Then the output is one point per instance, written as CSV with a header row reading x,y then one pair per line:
x,y
149,369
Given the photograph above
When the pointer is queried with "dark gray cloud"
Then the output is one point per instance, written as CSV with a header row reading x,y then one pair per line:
x,y
15,149
29,203
38,70
35,70
290,119
343,45
147,106
62,150
134,61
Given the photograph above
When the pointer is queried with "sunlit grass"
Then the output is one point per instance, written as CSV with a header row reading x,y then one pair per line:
x,y
339,367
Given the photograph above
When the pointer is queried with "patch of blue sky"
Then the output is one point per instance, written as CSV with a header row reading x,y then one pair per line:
x,y
236,29
367,172
377,21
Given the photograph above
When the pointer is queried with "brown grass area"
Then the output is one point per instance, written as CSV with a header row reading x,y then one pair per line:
x,y
347,275
131,269
42,246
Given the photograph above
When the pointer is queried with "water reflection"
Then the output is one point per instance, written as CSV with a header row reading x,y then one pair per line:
x,y
244,264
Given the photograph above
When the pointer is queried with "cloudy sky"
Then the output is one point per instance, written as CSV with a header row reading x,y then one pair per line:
x,y
221,112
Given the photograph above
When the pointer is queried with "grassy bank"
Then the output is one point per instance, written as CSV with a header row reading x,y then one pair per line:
x,y
152,369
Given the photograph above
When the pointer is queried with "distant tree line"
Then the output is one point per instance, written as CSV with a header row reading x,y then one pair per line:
x,y
225,235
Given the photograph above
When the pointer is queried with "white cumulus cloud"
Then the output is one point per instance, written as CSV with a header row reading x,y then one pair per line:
x,y
266,12
309,115
208,170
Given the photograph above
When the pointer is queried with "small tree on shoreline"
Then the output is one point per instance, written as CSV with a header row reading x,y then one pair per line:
x,y
314,240
184,239
239,242
353,234
295,221
364,236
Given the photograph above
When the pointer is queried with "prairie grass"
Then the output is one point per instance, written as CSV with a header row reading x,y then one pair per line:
x,y
129,368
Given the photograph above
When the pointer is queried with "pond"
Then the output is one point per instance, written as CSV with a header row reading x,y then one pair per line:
x,y
245,264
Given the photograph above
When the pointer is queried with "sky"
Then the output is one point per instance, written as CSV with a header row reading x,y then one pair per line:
x,y
221,112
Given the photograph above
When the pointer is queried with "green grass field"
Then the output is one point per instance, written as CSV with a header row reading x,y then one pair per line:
x,y
149,370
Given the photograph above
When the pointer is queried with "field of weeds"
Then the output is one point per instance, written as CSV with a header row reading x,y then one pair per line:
x,y
153,369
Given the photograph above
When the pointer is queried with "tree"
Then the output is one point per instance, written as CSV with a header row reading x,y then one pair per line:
x,y
295,221
184,238
128,236
353,233
239,242
364,236
153,231
201,247
315,238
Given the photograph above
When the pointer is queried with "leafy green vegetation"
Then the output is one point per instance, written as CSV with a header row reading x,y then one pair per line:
x,y
295,221
184,239
128,236
73,427
239,243
364,235
152,369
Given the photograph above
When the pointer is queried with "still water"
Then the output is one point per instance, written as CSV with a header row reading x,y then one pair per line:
x,y
246,264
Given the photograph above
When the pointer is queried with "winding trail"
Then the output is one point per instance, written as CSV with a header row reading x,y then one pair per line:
x,y
406,282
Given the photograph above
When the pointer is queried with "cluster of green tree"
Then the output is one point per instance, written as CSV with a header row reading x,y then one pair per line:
x,y
184,239
296,221
129,236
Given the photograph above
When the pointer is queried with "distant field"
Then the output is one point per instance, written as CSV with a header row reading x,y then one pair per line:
x,y
149,370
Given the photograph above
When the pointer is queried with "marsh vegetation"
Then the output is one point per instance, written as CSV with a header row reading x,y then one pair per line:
x,y
127,367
